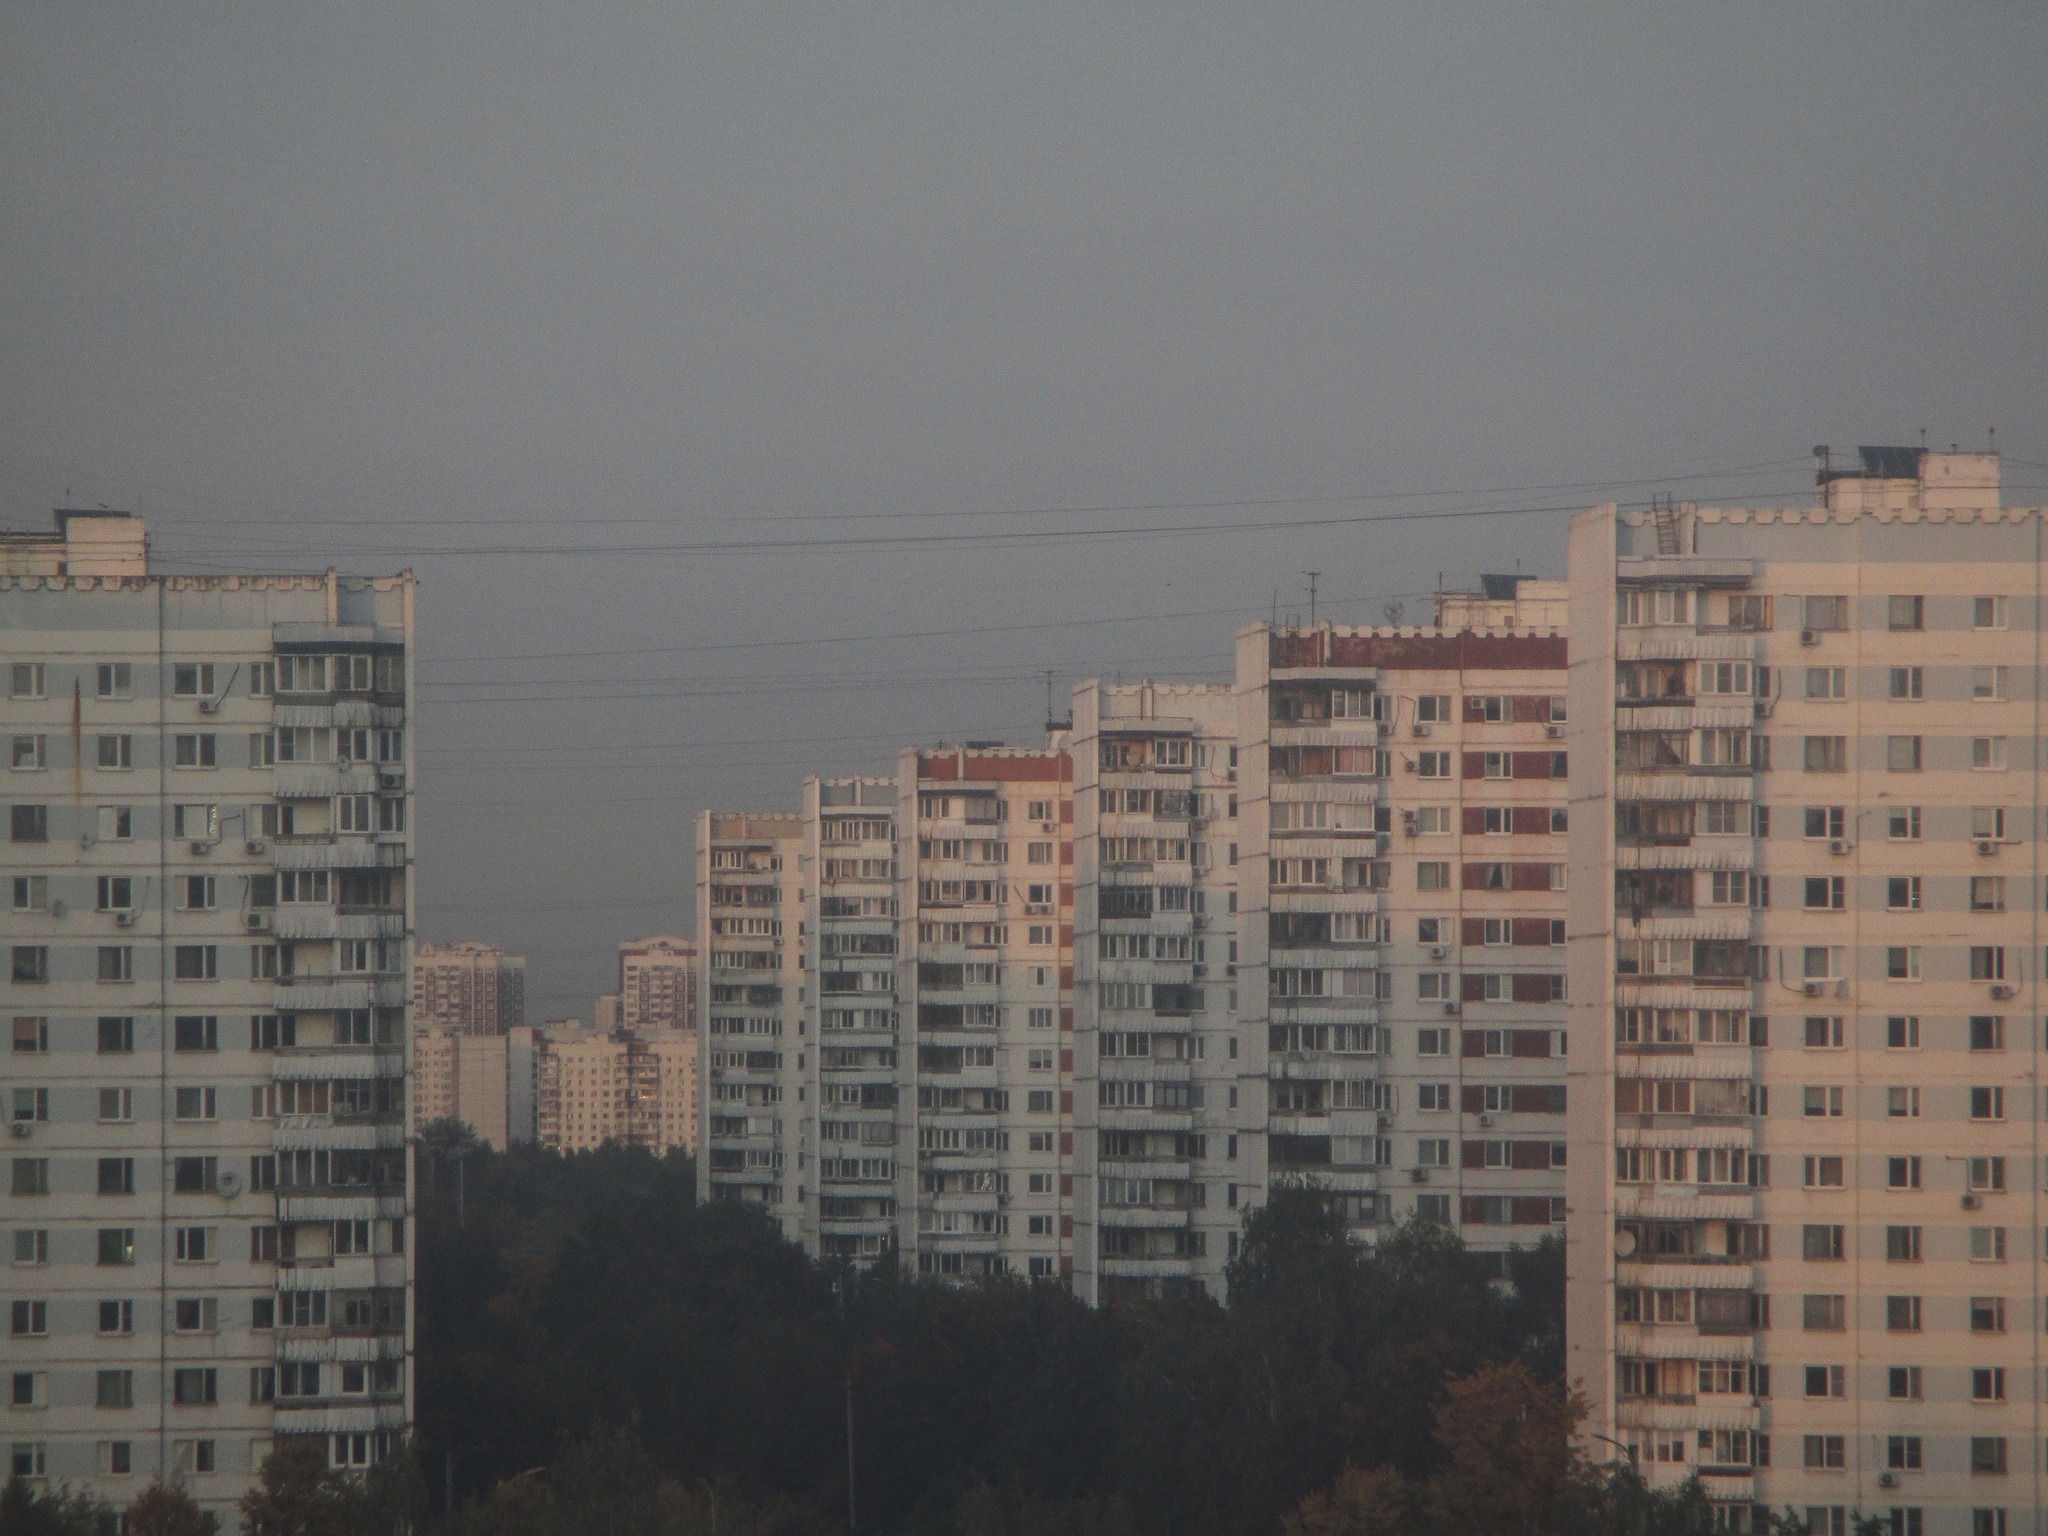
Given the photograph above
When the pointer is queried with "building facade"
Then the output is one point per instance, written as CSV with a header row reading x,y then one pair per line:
x,y
1805,1252
887,991
634,1087
468,988
462,1077
1169,1107
1403,797
658,983
210,869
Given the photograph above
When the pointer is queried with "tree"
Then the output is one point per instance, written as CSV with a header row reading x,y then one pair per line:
x,y
163,1509
1375,1502
1514,1466
26,1510
298,1494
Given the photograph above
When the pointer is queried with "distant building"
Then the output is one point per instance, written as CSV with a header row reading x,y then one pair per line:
x,y
616,1085
658,983
468,988
463,1077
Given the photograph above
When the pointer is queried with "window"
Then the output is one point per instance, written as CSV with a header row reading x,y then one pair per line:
x,y
1987,1103
195,962
1826,1381
27,1458
1987,1452
1902,1314
31,1245
1432,1042
1822,1242
192,679
1826,754
117,1175
1987,962
195,1386
27,680
1827,682
116,1035
116,1248
1905,613
1987,683
1827,893
1826,821
1902,1103
195,1104
30,963
1987,1032
1902,1245
1902,823
1902,1173
116,962
1987,1314
1902,1032
194,751
1824,613
1825,1452
1906,683
29,824
1433,765
193,1245
114,680
191,1032
1433,875
28,753
1902,893
1902,1383
1987,1245
195,1314
1902,1453
115,1389
1824,1173
1749,612
1822,1103
28,1319
1987,752
1901,754
1902,962
1987,613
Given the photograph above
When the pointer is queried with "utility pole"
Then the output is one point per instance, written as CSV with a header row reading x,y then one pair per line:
x,y
1311,575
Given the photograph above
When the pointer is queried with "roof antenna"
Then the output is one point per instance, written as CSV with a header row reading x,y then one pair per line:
x,y
1992,432
1311,575
1276,607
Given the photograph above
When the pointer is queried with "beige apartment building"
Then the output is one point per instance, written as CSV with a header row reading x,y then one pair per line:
x,y
463,1077
658,983
468,988
1805,945
887,994
635,1087
208,1209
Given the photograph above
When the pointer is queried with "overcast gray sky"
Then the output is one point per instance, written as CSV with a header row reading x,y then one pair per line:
x,y
541,300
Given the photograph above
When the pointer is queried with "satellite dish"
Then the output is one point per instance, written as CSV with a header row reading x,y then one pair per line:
x,y
1624,1243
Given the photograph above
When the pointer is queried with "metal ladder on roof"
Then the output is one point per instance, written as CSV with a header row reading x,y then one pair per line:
x,y
1664,512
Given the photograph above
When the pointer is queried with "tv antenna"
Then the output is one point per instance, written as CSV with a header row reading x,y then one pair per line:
x,y
1311,575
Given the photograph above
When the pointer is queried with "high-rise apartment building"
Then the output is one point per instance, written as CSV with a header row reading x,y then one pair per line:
x,y
1805,1250
1169,1105
468,988
210,867
751,911
658,983
887,996
634,1087
1402,800
987,981
462,1077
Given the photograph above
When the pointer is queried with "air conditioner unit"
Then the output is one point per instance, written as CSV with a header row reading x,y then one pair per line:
x,y
1971,1202
1838,846
1439,952
209,706
1809,637
390,779
1048,826
258,921
58,909
1418,1175
1815,988
2002,994
1409,822
1383,1122
253,845
21,1128
1842,988
1201,970
1764,707
1986,845
1554,732
126,918
201,847
1420,732
1450,1008
1485,1121
1382,841
1887,1480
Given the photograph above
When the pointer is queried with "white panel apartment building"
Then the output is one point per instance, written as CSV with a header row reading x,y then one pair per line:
x,y
1403,794
1168,1105
888,1041
1806,1236
208,929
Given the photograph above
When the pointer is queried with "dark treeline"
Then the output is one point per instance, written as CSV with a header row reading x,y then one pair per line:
x,y
593,1291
